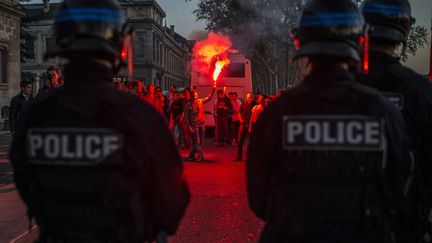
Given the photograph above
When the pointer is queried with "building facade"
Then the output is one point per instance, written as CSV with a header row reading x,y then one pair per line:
x,y
10,77
161,56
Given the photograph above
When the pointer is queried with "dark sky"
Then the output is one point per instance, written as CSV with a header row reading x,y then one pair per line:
x,y
179,13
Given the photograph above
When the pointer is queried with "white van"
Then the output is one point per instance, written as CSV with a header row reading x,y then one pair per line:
x,y
237,77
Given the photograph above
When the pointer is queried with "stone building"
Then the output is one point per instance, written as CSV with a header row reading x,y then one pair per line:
x,y
161,56
10,77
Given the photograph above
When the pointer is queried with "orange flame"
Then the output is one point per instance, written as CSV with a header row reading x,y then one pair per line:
x,y
219,66
205,52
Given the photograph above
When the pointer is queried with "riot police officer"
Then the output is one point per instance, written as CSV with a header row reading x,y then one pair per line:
x,y
389,23
329,161
93,164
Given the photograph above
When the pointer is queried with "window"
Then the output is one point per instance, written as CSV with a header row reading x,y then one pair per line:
x,y
154,49
49,44
5,112
236,70
27,48
3,65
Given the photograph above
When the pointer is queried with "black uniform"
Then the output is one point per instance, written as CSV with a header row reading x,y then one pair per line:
x,y
412,94
328,162
17,105
92,163
389,24
246,114
44,90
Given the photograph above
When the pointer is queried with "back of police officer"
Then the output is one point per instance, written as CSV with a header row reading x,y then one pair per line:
x,y
328,161
91,163
389,23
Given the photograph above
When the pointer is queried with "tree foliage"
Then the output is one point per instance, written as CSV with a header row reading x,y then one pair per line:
x,y
418,38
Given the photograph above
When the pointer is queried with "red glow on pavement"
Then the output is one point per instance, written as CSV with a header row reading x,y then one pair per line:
x,y
211,55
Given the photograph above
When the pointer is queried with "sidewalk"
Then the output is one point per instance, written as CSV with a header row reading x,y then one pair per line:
x,y
2,133
13,218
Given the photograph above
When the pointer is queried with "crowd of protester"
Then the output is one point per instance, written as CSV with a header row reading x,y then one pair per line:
x,y
234,118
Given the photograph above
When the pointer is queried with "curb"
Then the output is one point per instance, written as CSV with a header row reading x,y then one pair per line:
x,y
27,237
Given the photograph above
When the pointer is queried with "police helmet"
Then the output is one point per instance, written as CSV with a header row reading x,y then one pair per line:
x,y
329,28
388,19
84,29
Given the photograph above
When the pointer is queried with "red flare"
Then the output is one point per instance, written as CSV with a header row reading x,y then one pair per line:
x,y
215,47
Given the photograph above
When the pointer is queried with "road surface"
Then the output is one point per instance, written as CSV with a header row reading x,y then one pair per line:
x,y
218,210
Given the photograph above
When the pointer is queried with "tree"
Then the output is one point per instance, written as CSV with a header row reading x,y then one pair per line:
x,y
418,38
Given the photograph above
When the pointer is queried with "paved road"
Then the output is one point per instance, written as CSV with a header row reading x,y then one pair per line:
x,y
218,210
13,219
5,167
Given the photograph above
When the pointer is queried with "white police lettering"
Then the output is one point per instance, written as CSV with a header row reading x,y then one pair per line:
x,y
92,147
353,131
395,98
295,129
372,132
51,146
110,144
74,145
78,149
312,132
326,136
65,152
35,144
349,132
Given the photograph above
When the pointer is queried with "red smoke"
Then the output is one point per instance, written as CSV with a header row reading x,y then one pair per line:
x,y
211,55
